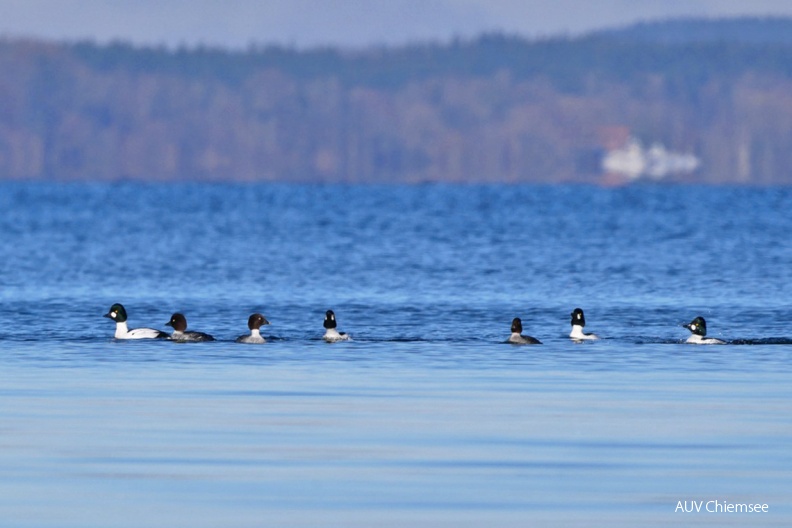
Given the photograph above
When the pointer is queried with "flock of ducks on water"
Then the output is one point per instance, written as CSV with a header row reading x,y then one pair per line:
x,y
697,327
180,333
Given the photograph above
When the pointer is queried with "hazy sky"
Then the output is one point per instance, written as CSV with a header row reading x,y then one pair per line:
x,y
349,23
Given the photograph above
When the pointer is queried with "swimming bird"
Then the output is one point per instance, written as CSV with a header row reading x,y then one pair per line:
x,y
332,335
118,314
255,322
698,327
578,322
179,324
517,338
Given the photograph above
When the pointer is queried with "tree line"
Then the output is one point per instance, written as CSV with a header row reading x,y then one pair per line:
x,y
493,109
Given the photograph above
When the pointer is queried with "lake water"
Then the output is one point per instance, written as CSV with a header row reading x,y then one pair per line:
x,y
425,418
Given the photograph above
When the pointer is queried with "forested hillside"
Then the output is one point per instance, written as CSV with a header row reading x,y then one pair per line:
x,y
497,109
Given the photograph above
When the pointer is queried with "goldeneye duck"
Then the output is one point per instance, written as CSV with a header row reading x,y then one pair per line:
x,y
578,322
179,324
517,338
255,322
332,335
118,314
698,327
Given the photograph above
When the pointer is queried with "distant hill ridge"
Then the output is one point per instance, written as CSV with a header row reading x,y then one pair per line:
x,y
757,31
725,46
493,109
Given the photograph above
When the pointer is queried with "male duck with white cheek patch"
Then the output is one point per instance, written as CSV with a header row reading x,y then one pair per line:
x,y
698,328
118,314
332,335
578,322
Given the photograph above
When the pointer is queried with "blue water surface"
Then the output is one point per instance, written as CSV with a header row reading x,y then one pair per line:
x,y
426,417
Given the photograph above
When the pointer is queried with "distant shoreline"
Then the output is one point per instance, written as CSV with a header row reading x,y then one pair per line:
x,y
496,109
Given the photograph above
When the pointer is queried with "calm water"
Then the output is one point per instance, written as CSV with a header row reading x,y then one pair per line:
x,y
426,418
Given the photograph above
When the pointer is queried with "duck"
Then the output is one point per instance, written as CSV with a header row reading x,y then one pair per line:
x,y
332,335
698,328
179,324
118,314
255,322
578,322
517,338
